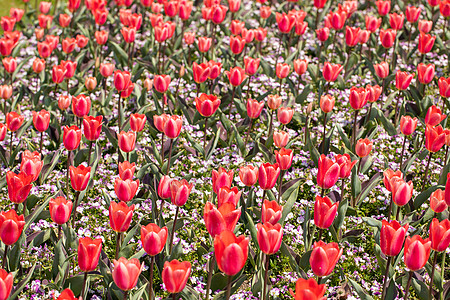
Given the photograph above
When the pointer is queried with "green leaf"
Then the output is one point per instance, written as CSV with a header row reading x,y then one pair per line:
x,y
289,203
138,294
368,187
425,195
421,289
359,290
21,285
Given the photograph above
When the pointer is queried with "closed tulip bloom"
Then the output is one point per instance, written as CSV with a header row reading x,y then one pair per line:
x,y
6,283
231,252
251,65
218,13
284,158
322,34
90,83
387,37
392,236
412,14
274,101
345,165
373,92
384,6
300,66
172,127
41,120
3,131
363,147
10,64
126,272
207,104
122,80
426,42
282,70
19,186
324,258
254,108
106,69
88,253
11,226
160,121
417,252
300,28
71,137
439,234
237,44
402,80
58,74
14,121
328,173
401,191
434,138
437,201
219,219
125,189
308,289
280,138
408,125
285,115
64,20
271,212
164,187
38,65
337,19
221,178
79,177
425,73
137,122
372,23
161,83
175,275
324,212
153,238
444,8
204,44
126,170
31,164
236,76
81,105
227,195
6,46
101,37
425,26
389,177
265,12
434,116
269,237
127,93
70,68
268,175
330,71
60,209
6,91
248,175
179,191
444,87
67,294
127,141
215,69
352,36
396,21
358,97
382,69
189,38
120,216
92,127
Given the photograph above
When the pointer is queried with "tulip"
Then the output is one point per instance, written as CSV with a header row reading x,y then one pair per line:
x,y
402,80
218,13
328,173
412,14
126,272
236,76
82,41
10,64
300,28
444,8
204,44
219,219
71,137
179,191
89,253
337,19
382,69
324,258
389,177
164,187
60,209
300,66
122,80
125,189
426,42
247,174
79,177
67,294
322,34
120,216
175,275
231,252
201,72
3,130
392,236
363,147
160,121
408,125
127,141
92,127
153,238
14,121
330,71
434,138
271,212
384,6
254,108
373,93
11,226
251,65
31,164
425,26
444,87
207,104
215,69
19,186
265,12
269,237
417,252
387,37
280,138
345,165
324,212
274,101
101,37
6,91
41,120
308,289
372,23
352,36
137,122
237,44
284,158
425,73
227,195
285,115
268,175
358,97
282,70
68,45
106,69
396,21
38,65
161,83
401,191
285,22
222,178
437,201
434,116
440,234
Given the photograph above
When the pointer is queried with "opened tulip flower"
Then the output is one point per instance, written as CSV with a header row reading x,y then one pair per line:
x,y
179,191
67,294
425,73
231,252
125,189
271,212
434,116
207,104
219,219
236,76
31,164
308,289
6,282
172,126
175,275
328,173
434,138
330,71
92,127
440,234
254,108
60,209
285,115
392,236
401,191
120,216
324,212
11,226
227,195
14,121
284,158
19,186
269,237
363,147
41,120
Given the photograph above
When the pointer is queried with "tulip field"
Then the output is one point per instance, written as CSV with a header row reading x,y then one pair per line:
x,y
225,149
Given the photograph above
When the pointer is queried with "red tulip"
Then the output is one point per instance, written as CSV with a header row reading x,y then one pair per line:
x,y
337,19
274,101
19,186
16,13
384,6
125,189
444,87
426,42
64,20
412,14
268,175
221,178
126,272
345,165
328,173
204,44
237,44
269,237
308,289
285,22
330,71
81,105
439,234
387,37
231,252
322,34
324,212
172,127
425,73
396,21
120,216
31,164
265,12
358,97
60,209
153,238
408,125
3,130
79,177
122,80
236,76
254,108
425,26
10,64
434,116
282,70
160,121
219,219
6,91
389,177
67,294
402,80
68,45
324,258
382,69
372,23
161,83
127,141
248,175
201,72
179,191
58,74
88,253
401,191
175,275
11,226
106,69
444,8
352,36
218,13
417,252
434,138
215,69
71,137
280,138
14,121
251,65
38,65
285,115
437,201
392,236
284,158
227,195
101,37
41,120
271,212
207,104
373,92
92,127
363,147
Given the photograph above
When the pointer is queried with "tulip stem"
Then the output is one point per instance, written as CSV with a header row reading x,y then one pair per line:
x,y
5,257
390,211
90,151
162,147
342,189
67,174
403,150
354,128
170,156
270,124
324,131
120,113
125,295
174,296
249,130
426,171
359,166
150,278
173,229
386,274
319,238
442,273
399,208
117,245
84,286
204,135
229,287
266,275
433,268
408,285
279,186
446,156
77,196
210,271
59,232
11,144
41,142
